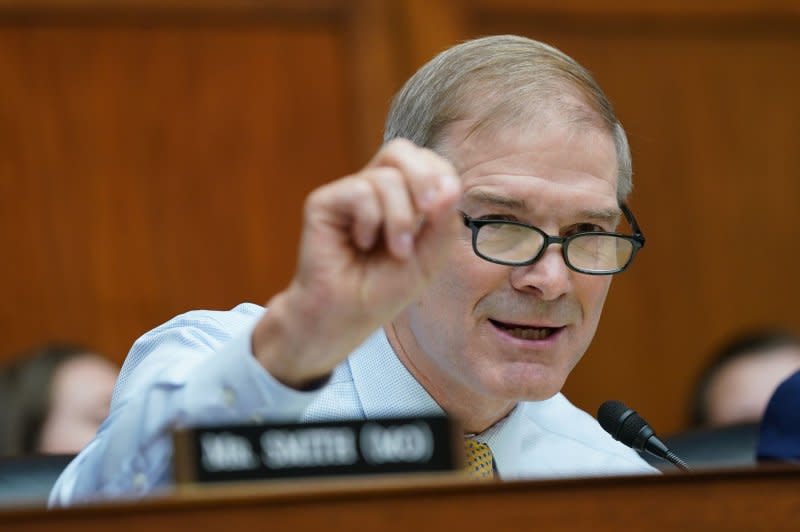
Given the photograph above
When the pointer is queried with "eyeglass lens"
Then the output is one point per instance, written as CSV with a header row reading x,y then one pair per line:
x,y
517,244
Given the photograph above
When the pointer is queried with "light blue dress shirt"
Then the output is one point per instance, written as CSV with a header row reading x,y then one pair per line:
x,y
198,369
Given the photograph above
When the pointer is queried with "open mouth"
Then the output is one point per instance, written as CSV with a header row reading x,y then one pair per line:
x,y
524,332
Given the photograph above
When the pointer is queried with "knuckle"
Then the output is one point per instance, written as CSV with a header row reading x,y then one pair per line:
x,y
386,175
334,193
315,199
401,151
447,166
360,188
400,144
439,162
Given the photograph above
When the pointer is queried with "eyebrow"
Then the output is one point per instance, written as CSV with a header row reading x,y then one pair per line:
x,y
489,198
609,215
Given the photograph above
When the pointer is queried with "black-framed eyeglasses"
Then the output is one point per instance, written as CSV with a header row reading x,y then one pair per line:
x,y
518,244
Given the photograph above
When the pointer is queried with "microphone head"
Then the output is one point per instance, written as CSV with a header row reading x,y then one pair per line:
x,y
623,423
629,428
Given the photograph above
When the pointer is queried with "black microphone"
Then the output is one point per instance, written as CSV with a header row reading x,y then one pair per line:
x,y
629,428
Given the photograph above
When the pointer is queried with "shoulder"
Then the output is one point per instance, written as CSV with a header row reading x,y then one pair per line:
x,y
221,324
174,347
199,329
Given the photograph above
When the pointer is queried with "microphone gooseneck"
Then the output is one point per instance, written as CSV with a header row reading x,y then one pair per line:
x,y
629,428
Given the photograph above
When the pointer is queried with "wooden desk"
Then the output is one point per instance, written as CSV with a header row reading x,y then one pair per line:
x,y
729,500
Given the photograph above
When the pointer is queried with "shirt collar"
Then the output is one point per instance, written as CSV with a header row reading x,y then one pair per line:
x,y
384,385
387,389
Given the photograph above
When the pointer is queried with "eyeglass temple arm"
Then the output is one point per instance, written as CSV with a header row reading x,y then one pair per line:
x,y
632,221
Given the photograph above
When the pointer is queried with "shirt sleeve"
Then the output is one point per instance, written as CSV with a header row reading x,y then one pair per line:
x,y
197,369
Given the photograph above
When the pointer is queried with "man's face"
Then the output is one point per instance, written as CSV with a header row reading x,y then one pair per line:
x,y
500,333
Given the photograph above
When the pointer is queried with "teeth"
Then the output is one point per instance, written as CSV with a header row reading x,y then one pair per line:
x,y
528,333
525,333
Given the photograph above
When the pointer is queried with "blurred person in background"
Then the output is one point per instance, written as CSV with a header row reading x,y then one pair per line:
x,y
54,399
779,432
743,374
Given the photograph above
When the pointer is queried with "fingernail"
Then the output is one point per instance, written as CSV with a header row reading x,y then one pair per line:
x,y
404,244
449,183
427,198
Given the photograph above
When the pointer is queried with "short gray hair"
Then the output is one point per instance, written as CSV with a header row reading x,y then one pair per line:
x,y
500,81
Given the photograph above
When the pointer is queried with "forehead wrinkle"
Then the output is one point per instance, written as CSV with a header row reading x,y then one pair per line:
x,y
490,198
610,215
483,196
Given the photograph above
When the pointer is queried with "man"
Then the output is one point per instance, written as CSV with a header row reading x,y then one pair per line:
x,y
462,270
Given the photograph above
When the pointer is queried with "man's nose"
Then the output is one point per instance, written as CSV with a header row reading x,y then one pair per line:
x,y
549,276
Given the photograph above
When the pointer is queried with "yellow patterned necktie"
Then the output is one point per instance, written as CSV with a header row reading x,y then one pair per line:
x,y
479,460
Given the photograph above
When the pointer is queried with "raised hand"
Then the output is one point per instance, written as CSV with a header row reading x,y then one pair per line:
x,y
370,243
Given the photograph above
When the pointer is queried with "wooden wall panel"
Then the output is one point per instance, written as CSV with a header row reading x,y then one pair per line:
x,y
154,161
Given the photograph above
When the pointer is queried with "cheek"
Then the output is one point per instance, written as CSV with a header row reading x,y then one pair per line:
x,y
445,313
452,297
591,292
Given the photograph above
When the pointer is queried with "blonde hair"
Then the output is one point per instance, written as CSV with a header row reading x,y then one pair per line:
x,y
501,81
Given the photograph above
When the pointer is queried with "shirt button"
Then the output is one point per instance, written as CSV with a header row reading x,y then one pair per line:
x,y
139,481
228,397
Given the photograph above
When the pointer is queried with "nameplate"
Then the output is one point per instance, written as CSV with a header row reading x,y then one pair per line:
x,y
272,451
